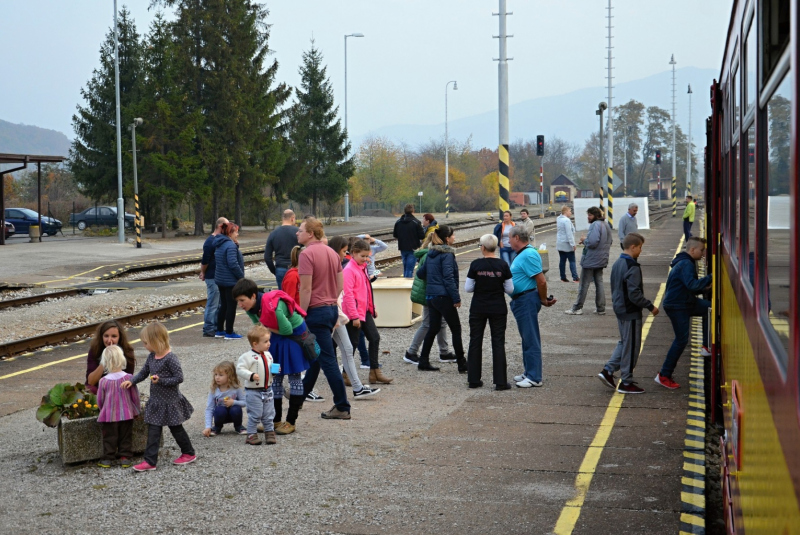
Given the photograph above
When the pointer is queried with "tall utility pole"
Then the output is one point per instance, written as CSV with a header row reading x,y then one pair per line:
x,y
600,109
689,148
610,180
502,83
120,203
446,153
674,159
347,191
136,122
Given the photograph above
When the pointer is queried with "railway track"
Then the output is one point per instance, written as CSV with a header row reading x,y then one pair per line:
x,y
32,299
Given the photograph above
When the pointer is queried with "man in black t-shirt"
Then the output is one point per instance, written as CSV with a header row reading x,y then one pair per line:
x,y
489,278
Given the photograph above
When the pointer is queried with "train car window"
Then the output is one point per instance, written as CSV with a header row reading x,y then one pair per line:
x,y
736,104
775,33
736,201
778,208
751,49
749,247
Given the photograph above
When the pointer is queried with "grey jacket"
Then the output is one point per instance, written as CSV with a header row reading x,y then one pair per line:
x,y
597,245
565,234
626,289
627,224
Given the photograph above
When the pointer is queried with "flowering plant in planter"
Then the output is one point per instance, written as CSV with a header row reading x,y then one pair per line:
x,y
67,400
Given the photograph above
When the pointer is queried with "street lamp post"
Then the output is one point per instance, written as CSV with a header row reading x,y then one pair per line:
x,y
347,191
120,202
446,153
136,122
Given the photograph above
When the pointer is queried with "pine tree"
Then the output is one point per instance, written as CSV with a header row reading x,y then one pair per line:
x,y
93,155
319,143
170,167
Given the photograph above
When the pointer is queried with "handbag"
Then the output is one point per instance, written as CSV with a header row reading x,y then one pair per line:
x,y
308,341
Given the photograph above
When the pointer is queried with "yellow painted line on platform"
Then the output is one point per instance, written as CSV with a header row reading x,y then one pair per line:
x,y
83,355
696,483
73,276
698,500
693,455
572,509
693,519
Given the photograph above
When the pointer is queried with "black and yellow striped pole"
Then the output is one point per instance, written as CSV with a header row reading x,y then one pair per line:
x,y
502,179
610,214
137,225
502,109
674,196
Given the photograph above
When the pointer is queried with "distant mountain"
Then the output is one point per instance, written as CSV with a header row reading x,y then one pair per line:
x,y
26,139
571,116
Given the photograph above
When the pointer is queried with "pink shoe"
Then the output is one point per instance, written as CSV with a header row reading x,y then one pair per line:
x,y
143,466
185,459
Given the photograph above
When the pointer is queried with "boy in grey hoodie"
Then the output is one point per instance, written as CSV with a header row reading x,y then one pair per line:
x,y
629,301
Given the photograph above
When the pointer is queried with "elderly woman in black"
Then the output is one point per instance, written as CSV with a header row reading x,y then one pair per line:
x,y
440,272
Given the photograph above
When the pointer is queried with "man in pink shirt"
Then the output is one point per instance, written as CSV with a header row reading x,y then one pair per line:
x,y
320,273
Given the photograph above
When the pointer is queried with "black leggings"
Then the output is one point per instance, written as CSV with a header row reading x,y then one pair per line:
x,y
154,442
227,309
373,337
441,307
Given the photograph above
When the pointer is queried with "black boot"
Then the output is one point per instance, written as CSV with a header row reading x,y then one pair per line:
x,y
462,364
278,410
295,402
424,365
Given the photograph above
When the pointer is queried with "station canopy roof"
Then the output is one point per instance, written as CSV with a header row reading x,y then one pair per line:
x,y
29,158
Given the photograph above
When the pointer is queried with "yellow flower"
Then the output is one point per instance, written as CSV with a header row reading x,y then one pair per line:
x,y
75,406
94,407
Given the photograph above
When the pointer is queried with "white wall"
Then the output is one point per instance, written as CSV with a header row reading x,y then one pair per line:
x,y
620,209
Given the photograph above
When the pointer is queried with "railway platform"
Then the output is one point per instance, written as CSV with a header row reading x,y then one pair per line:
x,y
426,455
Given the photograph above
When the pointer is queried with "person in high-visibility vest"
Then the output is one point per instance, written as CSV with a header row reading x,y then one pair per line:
x,y
688,217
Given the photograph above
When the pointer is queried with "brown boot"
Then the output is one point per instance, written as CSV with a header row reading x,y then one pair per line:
x,y
346,379
376,376
269,437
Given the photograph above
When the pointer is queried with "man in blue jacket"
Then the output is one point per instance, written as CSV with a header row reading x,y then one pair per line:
x,y
681,303
207,267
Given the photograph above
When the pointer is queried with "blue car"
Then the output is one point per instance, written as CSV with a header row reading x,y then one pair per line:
x,y
23,218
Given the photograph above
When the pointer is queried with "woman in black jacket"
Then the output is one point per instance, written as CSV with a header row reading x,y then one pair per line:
x,y
440,272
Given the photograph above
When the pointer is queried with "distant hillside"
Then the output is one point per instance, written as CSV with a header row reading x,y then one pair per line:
x,y
25,139
570,116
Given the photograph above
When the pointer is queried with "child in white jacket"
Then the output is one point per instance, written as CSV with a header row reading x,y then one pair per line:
x,y
254,370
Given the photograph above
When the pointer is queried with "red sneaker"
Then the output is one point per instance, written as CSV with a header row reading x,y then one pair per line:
x,y
666,382
143,466
185,459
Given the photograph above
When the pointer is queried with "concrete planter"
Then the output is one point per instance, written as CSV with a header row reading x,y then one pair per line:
x,y
82,440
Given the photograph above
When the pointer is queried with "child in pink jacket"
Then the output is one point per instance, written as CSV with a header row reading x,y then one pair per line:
x,y
359,307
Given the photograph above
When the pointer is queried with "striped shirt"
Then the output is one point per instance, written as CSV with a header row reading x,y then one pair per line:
x,y
117,404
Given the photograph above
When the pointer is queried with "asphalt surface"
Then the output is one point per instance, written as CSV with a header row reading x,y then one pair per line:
x,y
426,455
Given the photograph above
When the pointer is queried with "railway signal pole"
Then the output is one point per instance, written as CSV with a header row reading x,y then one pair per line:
x,y
540,153
446,154
674,159
136,122
502,82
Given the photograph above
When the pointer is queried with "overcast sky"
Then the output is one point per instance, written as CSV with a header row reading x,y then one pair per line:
x,y
398,71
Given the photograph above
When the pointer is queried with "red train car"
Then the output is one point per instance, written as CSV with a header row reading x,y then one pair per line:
x,y
752,222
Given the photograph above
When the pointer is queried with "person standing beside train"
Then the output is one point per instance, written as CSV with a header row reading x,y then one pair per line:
x,y
688,218
681,303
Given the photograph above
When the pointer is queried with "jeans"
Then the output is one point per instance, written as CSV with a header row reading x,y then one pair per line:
x,y
260,409
321,320
563,256
626,352
342,340
526,311
363,352
154,441
587,276
227,309
409,261
681,319
279,274
687,229
370,331
227,415
419,336
508,255
477,325
212,306
442,307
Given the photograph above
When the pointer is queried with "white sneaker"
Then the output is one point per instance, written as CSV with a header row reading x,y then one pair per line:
x,y
527,383
572,312
704,352
518,378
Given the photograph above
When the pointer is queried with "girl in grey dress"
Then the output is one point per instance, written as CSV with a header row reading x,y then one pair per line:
x,y
166,406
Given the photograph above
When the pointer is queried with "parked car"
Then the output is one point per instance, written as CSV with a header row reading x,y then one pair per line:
x,y
9,230
101,215
23,218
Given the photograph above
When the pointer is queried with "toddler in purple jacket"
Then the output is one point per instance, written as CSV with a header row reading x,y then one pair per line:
x,y
118,407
